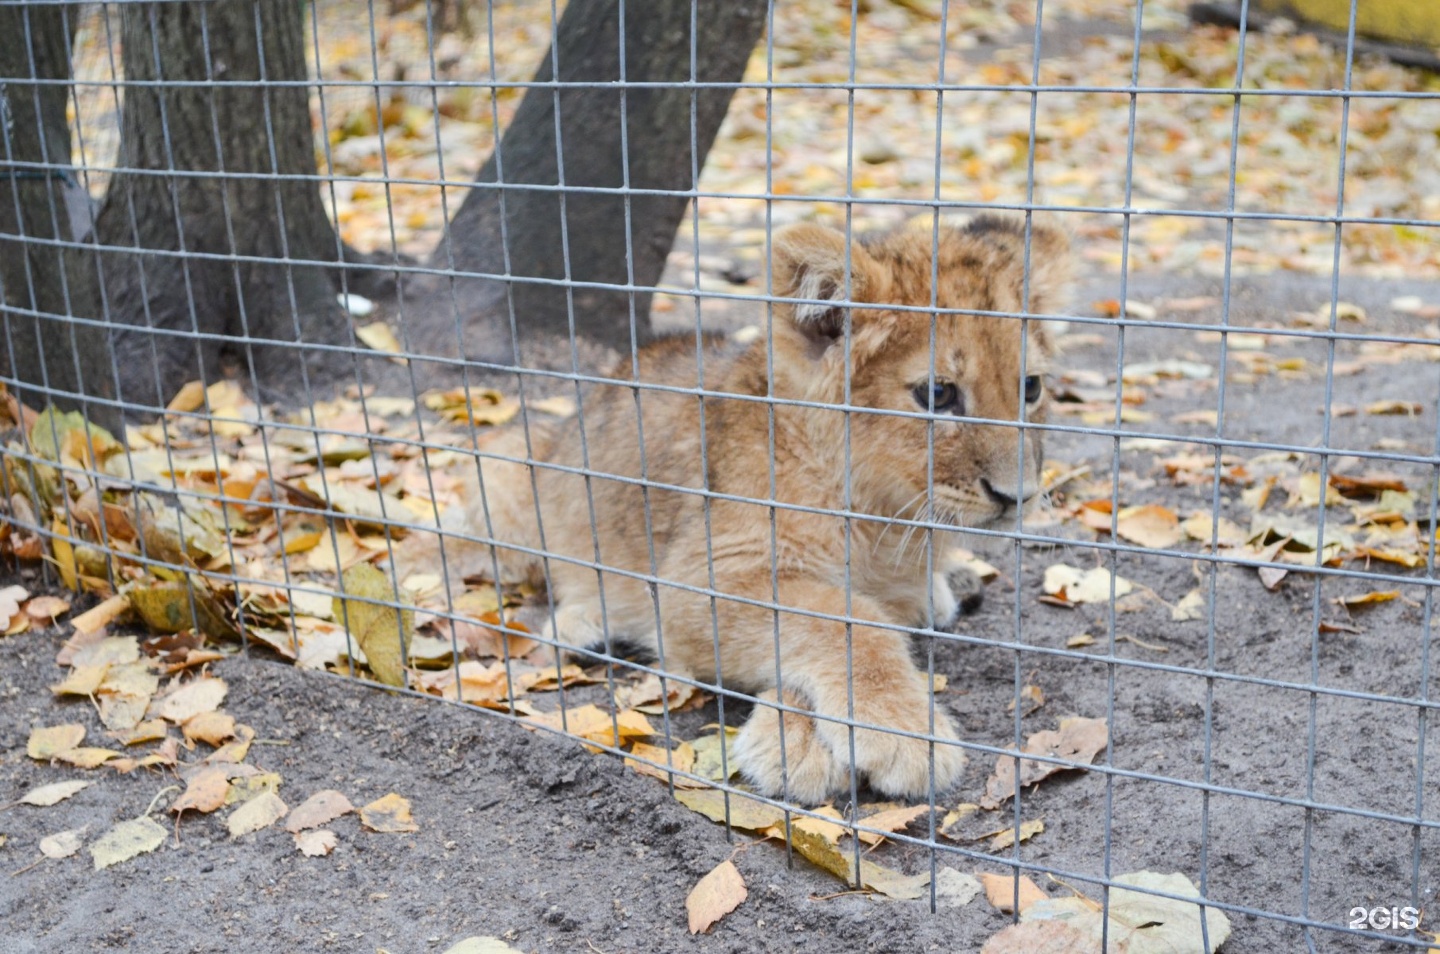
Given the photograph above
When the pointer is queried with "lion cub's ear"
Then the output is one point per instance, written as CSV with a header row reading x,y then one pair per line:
x,y
808,262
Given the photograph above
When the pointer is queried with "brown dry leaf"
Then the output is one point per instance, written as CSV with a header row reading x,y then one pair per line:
x,y
46,743
262,811
1032,696
1368,599
681,759
744,812
1202,526
163,605
1083,586
190,397
1190,607
236,749
1271,576
247,786
1077,740
62,844
204,791
1138,921
1003,838
46,609
594,724
86,756
890,820
315,844
199,695
319,809
383,632
126,840
212,728
714,896
82,680
388,814
151,730
10,599
98,617
1408,408
647,695
1000,891
378,336
1149,526
46,795
1079,640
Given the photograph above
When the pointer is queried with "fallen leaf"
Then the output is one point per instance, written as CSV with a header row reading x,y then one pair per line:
x,y
383,632
1079,640
954,889
1003,838
314,844
62,844
212,728
98,617
46,609
714,896
743,812
199,695
1139,923
378,336
262,811
388,814
1368,599
86,756
1083,586
1408,408
1203,526
1077,740
1270,576
45,743
243,788
891,820
710,761
46,795
1043,937
680,759
204,791
319,809
1190,607
1000,891
126,840
82,680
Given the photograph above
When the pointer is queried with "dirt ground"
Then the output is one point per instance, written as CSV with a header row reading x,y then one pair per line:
x,y
527,837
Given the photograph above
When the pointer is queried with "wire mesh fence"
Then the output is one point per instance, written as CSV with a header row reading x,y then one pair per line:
x,y
1045,384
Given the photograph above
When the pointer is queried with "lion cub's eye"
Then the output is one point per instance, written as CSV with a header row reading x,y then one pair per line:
x,y
1034,388
942,396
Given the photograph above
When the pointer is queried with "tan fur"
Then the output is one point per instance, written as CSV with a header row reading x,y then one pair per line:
x,y
980,268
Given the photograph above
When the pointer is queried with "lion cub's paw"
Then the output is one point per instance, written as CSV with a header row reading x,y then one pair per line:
x,y
807,770
899,766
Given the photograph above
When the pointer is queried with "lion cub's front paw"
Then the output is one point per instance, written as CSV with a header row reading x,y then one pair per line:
x,y
805,769
899,766
816,759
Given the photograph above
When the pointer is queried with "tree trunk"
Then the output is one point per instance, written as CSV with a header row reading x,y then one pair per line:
x,y
256,136
65,362
660,127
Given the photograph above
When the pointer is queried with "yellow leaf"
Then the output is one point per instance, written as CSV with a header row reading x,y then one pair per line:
x,y
196,696
1001,891
86,756
716,895
212,728
126,840
1005,837
377,335
744,812
319,809
680,759
54,793
190,397
383,632
82,680
205,791
262,811
1368,599
46,743
390,813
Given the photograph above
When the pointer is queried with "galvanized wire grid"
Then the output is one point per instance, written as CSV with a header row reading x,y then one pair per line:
x,y
1025,654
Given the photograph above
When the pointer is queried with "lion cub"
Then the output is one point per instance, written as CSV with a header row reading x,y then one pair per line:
x,y
634,553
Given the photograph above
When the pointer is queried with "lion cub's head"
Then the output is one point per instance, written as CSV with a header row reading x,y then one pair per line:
x,y
982,367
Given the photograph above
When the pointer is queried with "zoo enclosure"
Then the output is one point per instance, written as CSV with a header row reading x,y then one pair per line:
x,y
284,341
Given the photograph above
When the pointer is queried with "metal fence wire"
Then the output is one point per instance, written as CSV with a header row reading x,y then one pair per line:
x,y
1141,297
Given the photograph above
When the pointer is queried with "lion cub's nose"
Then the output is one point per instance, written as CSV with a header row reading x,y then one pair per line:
x,y
1005,498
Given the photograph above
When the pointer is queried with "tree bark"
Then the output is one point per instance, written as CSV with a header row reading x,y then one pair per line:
x,y
43,284
256,136
606,238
